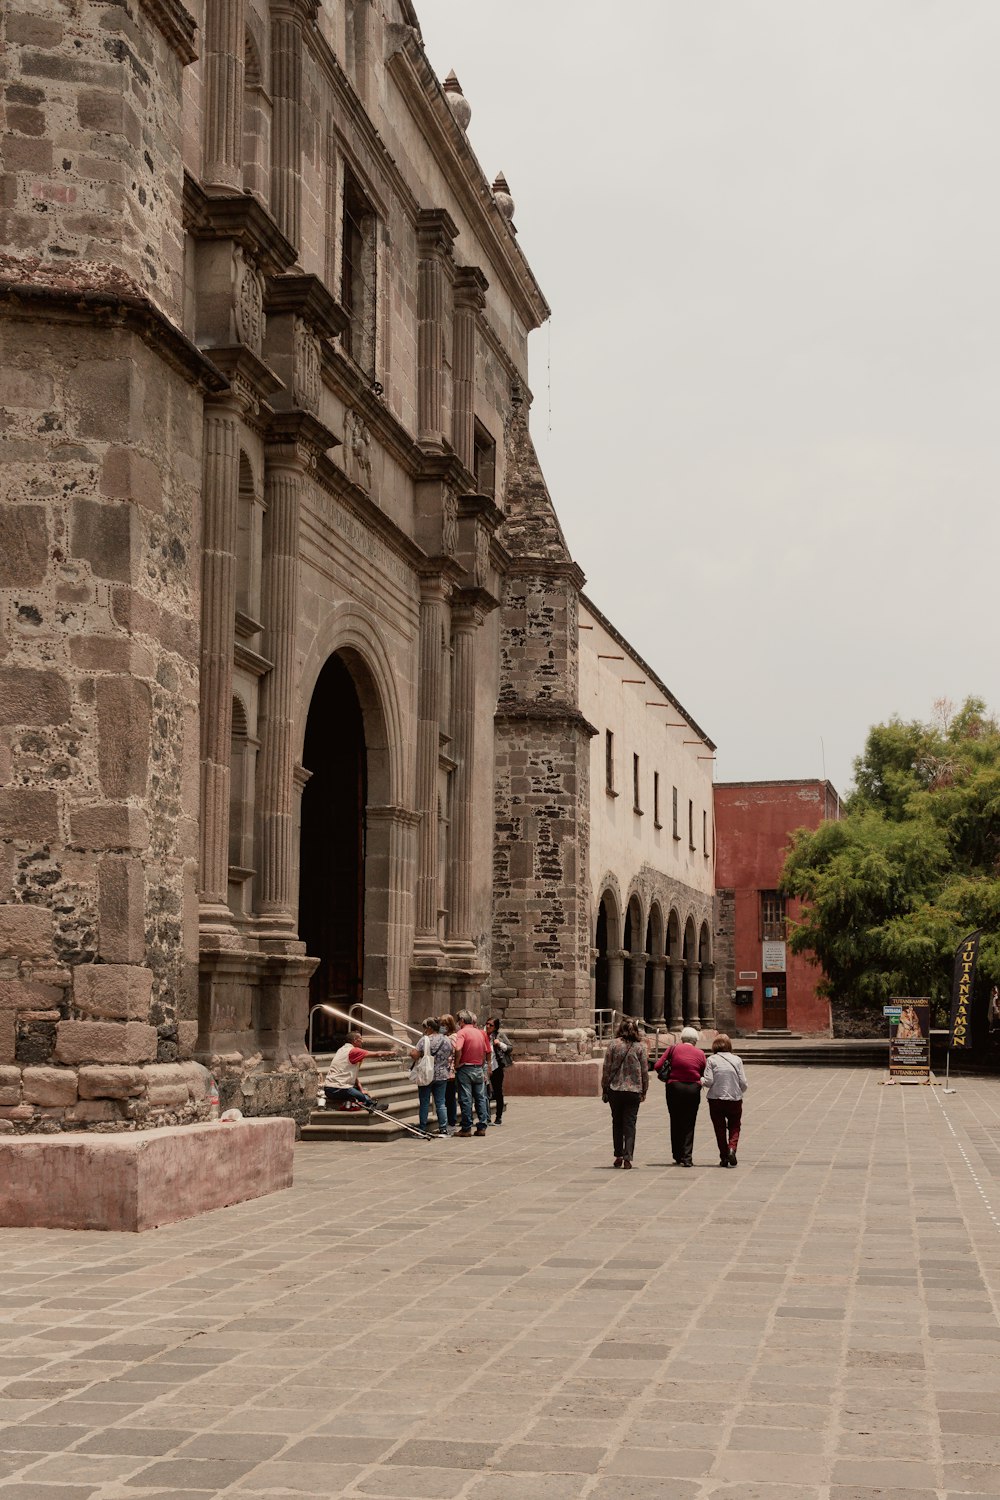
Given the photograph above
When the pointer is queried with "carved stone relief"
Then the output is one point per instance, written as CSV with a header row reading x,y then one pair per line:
x,y
249,309
449,524
306,379
359,450
481,565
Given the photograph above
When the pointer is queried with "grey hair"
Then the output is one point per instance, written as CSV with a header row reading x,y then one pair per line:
x,y
689,1034
467,1017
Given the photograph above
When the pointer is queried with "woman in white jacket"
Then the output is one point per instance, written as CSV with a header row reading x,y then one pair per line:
x,y
726,1083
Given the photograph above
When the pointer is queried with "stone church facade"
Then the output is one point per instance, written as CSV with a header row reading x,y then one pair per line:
x,y
289,680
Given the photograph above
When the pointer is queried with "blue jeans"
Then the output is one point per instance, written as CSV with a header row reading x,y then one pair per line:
x,y
347,1096
437,1090
472,1085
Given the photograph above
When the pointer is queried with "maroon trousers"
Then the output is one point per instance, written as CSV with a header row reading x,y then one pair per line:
x,y
726,1117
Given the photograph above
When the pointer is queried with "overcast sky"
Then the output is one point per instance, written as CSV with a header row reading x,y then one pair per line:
x,y
769,231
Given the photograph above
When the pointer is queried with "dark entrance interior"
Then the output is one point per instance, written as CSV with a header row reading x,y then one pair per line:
x,y
601,966
775,1011
332,860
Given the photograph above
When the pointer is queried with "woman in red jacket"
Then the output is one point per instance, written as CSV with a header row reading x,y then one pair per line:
x,y
687,1064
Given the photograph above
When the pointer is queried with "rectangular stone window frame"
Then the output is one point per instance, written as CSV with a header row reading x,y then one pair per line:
x,y
636,800
677,825
484,460
358,271
656,800
609,763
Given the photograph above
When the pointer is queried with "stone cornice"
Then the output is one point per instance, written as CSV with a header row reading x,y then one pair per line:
x,y
643,666
307,297
217,214
481,507
176,24
367,513
418,84
471,287
63,292
436,231
251,381
546,567
300,432
346,381
525,710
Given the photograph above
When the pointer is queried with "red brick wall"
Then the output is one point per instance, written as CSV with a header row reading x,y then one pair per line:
x,y
754,823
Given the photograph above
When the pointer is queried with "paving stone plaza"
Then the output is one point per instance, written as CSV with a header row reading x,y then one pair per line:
x,y
508,1318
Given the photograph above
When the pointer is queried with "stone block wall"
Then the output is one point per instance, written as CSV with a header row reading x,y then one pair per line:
x,y
728,1014
98,722
91,162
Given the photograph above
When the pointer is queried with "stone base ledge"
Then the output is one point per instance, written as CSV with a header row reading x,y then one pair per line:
x,y
554,1079
136,1180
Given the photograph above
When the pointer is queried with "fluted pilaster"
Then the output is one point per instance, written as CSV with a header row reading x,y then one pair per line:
x,y
218,612
276,901
224,73
435,232
432,606
463,745
286,121
470,286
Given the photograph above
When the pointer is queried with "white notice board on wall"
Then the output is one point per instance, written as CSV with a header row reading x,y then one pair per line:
x,y
773,958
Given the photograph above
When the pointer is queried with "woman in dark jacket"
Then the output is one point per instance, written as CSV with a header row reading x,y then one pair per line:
x,y
624,1082
687,1064
502,1052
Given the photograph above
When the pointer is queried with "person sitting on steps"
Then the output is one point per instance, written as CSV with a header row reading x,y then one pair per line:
x,y
341,1082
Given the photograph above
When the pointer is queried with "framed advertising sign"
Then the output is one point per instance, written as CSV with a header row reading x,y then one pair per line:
x,y
910,1041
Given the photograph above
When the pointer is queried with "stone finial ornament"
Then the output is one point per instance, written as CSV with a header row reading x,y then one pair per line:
x,y
460,106
502,198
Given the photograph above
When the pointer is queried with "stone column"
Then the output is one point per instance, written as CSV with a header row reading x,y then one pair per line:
x,y
276,897
433,594
676,993
223,110
286,124
470,288
435,232
636,998
691,1016
221,471
616,980
707,987
659,986
465,622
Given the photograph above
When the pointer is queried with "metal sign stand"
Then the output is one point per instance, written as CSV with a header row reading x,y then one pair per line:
x,y
947,1075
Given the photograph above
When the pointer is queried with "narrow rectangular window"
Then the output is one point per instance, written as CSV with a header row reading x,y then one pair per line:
x,y
636,804
772,916
704,833
357,274
656,800
690,825
484,461
677,827
609,762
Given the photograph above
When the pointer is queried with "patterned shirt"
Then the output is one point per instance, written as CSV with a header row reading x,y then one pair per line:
x,y
626,1067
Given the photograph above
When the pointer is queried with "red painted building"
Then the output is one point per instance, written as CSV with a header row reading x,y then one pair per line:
x,y
761,983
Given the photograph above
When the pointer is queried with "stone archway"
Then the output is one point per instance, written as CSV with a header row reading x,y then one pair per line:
x,y
635,957
608,960
654,989
345,853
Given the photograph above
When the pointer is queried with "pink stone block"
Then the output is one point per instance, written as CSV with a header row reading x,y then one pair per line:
x,y
140,1179
554,1079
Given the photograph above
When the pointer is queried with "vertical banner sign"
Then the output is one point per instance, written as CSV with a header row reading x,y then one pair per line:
x,y
910,1041
966,956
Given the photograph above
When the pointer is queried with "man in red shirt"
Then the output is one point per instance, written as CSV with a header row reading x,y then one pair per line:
x,y
472,1054
341,1082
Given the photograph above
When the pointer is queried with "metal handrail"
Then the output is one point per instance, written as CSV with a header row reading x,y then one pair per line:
x,y
603,1028
344,1016
361,1005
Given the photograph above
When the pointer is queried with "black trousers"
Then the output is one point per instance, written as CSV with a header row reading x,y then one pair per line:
x,y
682,1102
624,1112
496,1089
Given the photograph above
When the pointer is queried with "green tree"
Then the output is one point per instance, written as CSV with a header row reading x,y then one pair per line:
x,y
890,890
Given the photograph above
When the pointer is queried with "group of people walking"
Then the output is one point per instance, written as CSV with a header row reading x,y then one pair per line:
x,y
686,1070
457,1064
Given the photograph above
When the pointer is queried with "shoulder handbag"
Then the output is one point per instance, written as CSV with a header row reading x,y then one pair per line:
x,y
422,1072
662,1068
